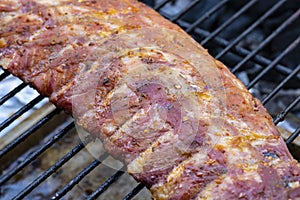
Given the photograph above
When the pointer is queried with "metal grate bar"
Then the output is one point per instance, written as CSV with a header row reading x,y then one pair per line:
x,y
106,184
79,177
279,86
267,40
28,132
250,28
291,47
12,93
35,154
4,75
229,21
134,192
52,169
205,16
20,112
239,50
162,4
283,114
293,136
185,10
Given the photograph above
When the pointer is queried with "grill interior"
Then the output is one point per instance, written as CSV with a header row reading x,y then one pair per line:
x,y
42,156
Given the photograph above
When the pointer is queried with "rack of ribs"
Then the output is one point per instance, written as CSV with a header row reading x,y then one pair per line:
x,y
181,122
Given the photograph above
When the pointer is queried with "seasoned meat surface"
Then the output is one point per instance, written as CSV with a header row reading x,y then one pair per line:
x,y
181,122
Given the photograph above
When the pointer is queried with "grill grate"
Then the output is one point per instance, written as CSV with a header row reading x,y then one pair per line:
x,y
229,50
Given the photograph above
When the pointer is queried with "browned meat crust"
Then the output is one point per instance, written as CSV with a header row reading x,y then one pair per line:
x,y
179,120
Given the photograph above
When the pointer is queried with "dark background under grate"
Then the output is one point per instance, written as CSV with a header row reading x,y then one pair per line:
x,y
257,40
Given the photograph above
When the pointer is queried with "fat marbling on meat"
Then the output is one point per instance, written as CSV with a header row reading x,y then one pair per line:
x,y
181,122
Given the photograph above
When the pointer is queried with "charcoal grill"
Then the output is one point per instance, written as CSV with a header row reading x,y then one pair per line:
x,y
261,50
